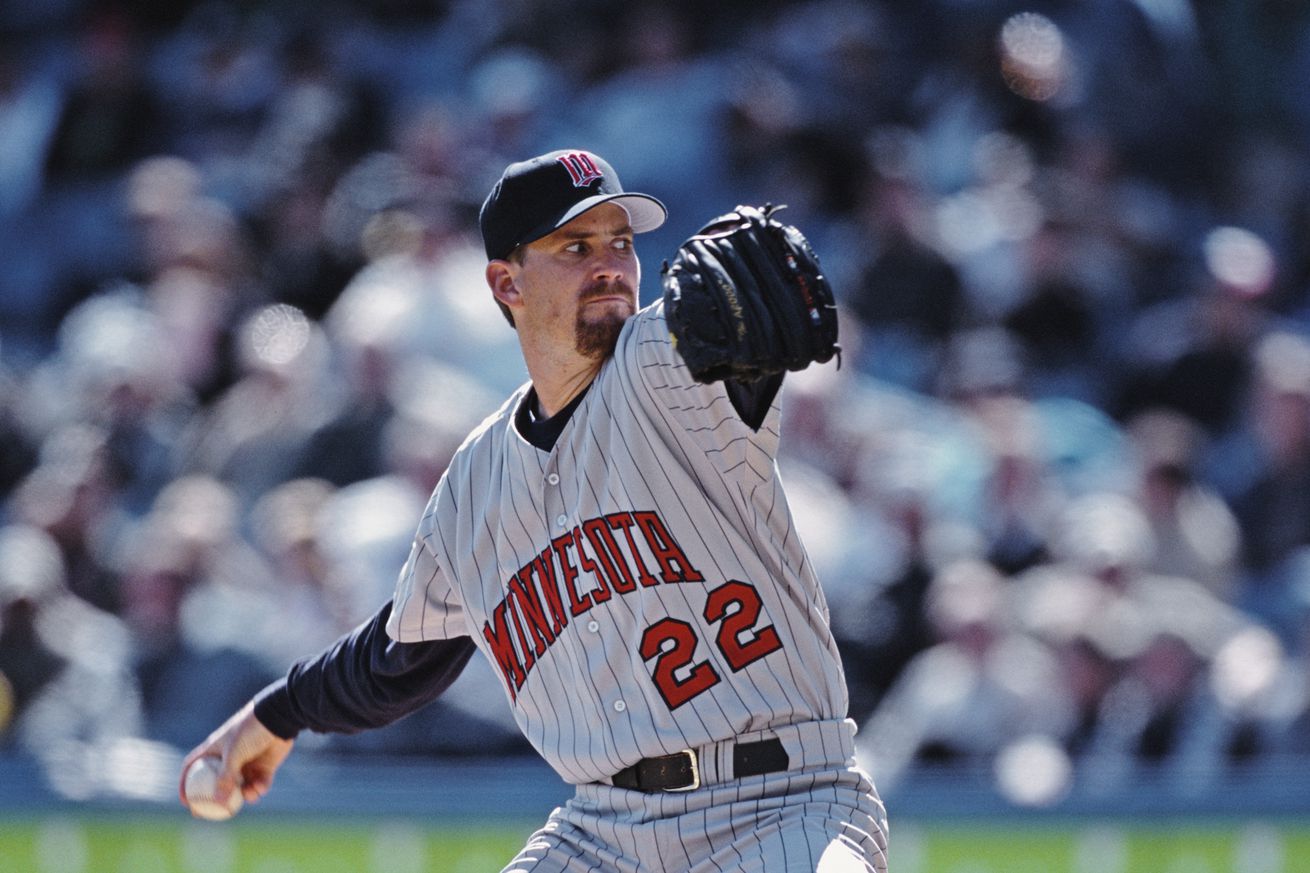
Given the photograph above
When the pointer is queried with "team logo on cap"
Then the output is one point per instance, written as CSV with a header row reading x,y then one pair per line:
x,y
582,169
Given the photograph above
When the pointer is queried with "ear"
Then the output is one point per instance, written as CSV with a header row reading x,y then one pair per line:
x,y
501,280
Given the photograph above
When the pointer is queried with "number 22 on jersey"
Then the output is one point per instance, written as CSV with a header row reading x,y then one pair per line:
x,y
735,608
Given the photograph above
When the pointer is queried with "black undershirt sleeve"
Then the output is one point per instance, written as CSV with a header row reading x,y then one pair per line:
x,y
364,680
752,399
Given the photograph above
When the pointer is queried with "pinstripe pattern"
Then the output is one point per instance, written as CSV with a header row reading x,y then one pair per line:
x,y
657,520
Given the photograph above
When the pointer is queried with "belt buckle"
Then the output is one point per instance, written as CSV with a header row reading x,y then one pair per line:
x,y
695,772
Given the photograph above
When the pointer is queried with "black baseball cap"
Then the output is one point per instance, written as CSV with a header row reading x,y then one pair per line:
x,y
535,197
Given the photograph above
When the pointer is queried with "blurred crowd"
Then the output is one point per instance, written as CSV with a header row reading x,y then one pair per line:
x,y
1058,492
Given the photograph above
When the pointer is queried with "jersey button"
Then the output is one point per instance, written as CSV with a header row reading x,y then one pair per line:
x,y
553,478
619,706
562,521
593,626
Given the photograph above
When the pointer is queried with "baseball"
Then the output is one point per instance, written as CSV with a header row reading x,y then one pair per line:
x,y
201,786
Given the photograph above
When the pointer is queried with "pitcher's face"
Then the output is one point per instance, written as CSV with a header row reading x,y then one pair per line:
x,y
578,285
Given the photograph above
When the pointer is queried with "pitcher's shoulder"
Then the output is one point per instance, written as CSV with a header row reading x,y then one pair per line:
x,y
492,429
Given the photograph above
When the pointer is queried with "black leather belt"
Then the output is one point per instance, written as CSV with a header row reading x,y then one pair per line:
x,y
681,770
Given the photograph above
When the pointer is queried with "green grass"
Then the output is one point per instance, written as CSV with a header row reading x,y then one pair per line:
x,y
1189,846
164,844
159,845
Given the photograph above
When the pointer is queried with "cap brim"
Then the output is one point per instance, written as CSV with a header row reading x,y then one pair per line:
x,y
644,212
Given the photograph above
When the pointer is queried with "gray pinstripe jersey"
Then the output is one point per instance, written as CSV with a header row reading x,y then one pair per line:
x,y
640,588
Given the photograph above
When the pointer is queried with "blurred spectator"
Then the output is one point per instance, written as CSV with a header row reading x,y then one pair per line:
x,y
323,118
1275,511
1021,496
1260,699
313,604
216,74
1274,508
1139,641
348,445
1292,732
1192,354
255,433
29,110
193,263
907,295
517,89
1055,321
192,594
437,405
20,453
108,116
880,632
422,294
1195,533
64,665
29,107
984,683
113,370
72,495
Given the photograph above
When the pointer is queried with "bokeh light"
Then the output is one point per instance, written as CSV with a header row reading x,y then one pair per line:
x,y
278,334
1240,259
1035,59
1034,771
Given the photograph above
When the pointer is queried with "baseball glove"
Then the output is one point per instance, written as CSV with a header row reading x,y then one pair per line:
x,y
745,298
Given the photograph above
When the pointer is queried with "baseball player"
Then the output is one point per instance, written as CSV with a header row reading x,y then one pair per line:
x,y
616,541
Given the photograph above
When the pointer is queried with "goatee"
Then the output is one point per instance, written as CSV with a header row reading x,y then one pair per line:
x,y
596,337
